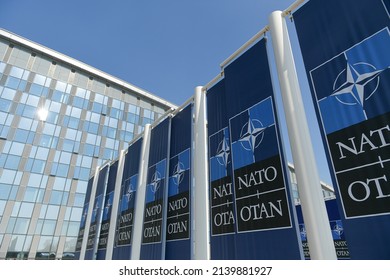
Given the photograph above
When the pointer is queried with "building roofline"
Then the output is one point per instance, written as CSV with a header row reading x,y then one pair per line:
x,y
81,65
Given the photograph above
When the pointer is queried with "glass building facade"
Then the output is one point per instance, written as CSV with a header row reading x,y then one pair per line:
x,y
327,190
59,120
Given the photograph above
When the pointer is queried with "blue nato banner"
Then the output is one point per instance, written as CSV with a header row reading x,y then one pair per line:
x,y
83,219
94,228
349,77
155,198
178,225
125,222
252,216
336,226
107,209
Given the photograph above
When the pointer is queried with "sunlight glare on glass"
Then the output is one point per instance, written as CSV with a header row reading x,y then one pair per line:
x,y
42,114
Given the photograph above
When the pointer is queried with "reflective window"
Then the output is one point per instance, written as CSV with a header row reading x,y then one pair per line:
x,y
48,141
53,106
89,150
10,226
60,96
45,244
70,244
125,136
59,169
39,79
52,212
134,109
76,214
69,146
48,227
5,105
56,197
86,162
109,132
16,208
4,131
133,118
5,190
82,187
38,227
65,197
21,226
73,229
42,153
26,210
64,228
71,122
79,200
30,194
116,113
108,153
52,117
17,243
16,149
2,206
27,243
25,123
67,213
59,183
37,180
12,162
8,94
15,83
81,173
38,90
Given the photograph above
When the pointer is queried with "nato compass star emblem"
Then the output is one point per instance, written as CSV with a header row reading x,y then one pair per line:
x,y
223,153
303,232
84,217
356,77
130,193
155,183
95,210
252,134
108,206
338,229
178,173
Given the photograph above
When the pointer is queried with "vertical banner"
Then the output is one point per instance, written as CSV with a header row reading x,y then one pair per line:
x,y
178,245
94,229
124,231
156,187
222,211
251,211
107,209
83,218
349,76
337,228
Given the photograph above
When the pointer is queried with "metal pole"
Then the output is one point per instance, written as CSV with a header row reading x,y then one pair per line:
x,y
200,249
89,214
140,196
313,205
166,193
115,205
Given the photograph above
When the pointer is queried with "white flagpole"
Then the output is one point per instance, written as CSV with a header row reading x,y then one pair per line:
x,y
140,196
89,214
200,248
115,205
313,206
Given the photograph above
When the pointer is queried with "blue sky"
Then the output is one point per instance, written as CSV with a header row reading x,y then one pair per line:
x,y
167,47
